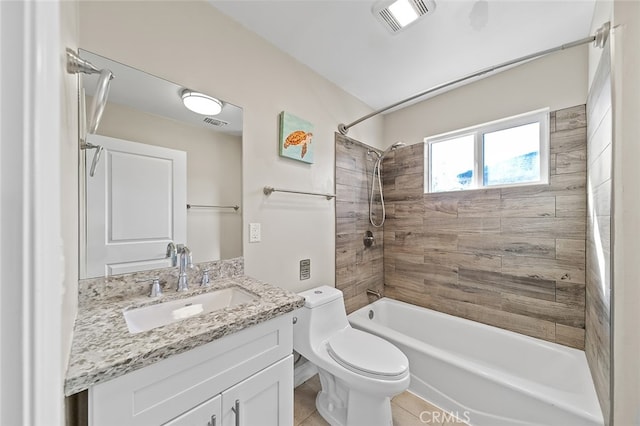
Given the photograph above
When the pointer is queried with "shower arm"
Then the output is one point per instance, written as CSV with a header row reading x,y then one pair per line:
x,y
599,39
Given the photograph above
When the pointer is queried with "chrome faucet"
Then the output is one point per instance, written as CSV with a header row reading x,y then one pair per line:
x,y
172,253
186,261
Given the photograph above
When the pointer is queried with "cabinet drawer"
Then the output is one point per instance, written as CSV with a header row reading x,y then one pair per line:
x,y
205,414
164,390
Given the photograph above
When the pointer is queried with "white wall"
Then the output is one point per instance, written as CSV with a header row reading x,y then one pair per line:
x,y
626,211
31,267
214,175
193,44
556,81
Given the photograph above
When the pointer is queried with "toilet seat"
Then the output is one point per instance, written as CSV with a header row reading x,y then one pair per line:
x,y
366,354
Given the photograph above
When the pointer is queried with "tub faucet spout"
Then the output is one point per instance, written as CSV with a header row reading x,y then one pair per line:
x,y
374,293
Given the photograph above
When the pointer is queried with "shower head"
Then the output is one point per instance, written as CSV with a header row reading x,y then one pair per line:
x,y
371,151
386,151
392,148
395,146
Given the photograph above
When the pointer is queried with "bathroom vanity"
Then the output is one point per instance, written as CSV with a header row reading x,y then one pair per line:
x,y
230,366
247,375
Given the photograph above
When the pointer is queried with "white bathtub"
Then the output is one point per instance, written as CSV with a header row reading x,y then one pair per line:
x,y
488,376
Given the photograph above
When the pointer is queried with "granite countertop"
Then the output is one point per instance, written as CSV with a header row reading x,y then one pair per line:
x,y
103,348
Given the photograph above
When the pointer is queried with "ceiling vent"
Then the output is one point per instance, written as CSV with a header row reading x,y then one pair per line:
x,y
215,122
396,15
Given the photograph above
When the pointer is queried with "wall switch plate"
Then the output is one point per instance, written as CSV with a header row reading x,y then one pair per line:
x,y
254,233
305,269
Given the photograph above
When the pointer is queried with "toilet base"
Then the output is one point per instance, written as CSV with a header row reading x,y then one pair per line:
x,y
341,406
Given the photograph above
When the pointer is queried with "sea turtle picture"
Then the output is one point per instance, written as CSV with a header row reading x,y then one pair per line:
x,y
295,138
299,137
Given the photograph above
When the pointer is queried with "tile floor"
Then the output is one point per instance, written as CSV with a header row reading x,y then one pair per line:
x,y
407,409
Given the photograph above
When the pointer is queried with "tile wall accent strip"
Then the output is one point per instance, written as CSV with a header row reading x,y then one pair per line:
x,y
358,268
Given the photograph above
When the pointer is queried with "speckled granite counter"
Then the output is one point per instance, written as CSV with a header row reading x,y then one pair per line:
x,y
103,348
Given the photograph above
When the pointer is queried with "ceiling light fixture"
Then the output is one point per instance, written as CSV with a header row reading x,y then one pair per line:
x,y
201,103
396,15
403,11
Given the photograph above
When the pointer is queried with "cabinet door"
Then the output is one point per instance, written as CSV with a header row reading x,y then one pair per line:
x,y
264,399
206,414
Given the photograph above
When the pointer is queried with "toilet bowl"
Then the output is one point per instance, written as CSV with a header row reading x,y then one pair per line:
x,y
359,372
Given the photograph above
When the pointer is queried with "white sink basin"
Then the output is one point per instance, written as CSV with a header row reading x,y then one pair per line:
x,y
149,317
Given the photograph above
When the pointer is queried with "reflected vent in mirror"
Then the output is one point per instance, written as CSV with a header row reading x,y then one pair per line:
x,y
215,122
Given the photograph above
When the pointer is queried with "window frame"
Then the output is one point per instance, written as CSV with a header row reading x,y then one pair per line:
x,y
540,116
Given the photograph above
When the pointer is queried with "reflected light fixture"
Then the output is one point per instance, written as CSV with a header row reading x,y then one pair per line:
x,y
201,103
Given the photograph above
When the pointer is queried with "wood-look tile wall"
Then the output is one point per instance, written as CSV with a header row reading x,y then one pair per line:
x,y
599,160
513,257
358,268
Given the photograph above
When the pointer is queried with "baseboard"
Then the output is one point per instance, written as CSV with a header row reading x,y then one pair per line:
x,y
303,372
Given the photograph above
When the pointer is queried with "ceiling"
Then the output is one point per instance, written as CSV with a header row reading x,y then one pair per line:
x,y
343,41
145,92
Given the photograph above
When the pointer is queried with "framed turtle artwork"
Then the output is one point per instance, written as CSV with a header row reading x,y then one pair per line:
x,y
295,138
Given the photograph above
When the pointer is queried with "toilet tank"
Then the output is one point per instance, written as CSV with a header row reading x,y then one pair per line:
x,y
320,295
322,315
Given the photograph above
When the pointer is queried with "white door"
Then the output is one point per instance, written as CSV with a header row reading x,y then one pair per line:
x,y
264,399
136,205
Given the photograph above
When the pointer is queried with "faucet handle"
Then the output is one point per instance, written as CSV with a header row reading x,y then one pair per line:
x,y
206,281
156,290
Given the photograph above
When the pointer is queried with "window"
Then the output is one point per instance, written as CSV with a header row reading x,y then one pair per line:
x,y
509,152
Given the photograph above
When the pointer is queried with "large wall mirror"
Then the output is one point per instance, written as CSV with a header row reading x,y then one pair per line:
x,y
164,175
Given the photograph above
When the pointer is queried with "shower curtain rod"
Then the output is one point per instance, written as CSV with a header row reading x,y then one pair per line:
x,y
599,40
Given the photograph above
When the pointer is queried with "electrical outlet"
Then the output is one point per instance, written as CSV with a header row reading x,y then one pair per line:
x,y
305,269
254,233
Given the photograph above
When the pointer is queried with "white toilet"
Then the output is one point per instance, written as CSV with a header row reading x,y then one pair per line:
x,y
359,372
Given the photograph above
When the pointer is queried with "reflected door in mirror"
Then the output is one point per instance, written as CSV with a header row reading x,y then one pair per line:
x,y
136,205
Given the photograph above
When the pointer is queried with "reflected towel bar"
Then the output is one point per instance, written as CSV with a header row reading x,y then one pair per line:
x,y
268,190
198,206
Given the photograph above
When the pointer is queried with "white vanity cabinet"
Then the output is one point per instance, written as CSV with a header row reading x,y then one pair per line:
x,y
265,399
245,378
208,413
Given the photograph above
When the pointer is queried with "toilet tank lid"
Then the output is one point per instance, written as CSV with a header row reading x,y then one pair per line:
x,y
319,296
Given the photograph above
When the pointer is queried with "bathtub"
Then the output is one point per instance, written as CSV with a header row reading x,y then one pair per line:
x,y
486,375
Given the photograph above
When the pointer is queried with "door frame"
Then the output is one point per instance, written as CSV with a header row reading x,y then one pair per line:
x,y
32,63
